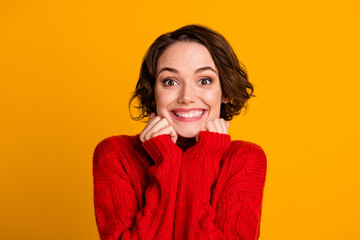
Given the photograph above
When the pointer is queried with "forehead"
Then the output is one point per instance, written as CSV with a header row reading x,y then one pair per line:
x,y
186,56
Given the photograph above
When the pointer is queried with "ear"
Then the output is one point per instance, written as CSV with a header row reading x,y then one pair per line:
x,y
225,100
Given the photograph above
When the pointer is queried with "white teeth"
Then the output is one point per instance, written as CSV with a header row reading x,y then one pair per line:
x,y
191,114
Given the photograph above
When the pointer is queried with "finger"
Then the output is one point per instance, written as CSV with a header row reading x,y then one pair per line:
x,y
217,125
210,126
224,126
160,124
168,130
198,134
227,124
173,135
157,126
148,127
202,128
152,115
213,126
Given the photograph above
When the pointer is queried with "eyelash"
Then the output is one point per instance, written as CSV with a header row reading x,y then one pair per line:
x,y
167,80
206,79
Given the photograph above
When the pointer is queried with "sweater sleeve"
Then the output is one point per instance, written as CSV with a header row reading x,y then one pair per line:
x,y
235,213
117,211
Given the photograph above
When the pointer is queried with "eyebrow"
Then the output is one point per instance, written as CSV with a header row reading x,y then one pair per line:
x,y
197,70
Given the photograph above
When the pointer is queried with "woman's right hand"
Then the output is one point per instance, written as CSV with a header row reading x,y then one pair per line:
x,y
157,126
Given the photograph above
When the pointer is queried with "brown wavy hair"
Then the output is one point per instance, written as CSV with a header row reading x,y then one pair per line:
x,y
232,73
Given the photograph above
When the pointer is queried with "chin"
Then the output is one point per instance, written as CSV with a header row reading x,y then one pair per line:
x,y
187,134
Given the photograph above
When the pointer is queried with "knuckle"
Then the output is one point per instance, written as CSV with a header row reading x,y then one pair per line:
x,y
142,136
148,136
164,121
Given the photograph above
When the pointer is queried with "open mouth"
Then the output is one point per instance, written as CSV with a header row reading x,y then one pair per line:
x,y
191,114
188,115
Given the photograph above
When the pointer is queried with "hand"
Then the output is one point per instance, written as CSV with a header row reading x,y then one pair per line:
x,y
218,125
157,126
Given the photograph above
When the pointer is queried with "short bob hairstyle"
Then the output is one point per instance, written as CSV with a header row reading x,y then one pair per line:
x,y
233,76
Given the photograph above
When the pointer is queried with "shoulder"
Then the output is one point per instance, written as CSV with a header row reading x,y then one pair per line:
x,y
112,159
116,145
245,147
246,157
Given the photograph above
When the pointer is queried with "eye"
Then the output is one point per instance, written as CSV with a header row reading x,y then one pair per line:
x,y
205,81
169,82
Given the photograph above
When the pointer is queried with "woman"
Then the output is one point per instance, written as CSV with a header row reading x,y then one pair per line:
x,y
182,177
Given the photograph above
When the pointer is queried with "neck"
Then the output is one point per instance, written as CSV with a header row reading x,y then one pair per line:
x,y
185,143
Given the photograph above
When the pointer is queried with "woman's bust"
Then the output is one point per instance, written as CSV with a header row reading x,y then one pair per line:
x,y
182,177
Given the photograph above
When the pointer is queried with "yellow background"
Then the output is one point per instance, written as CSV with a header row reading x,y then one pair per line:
x,y
67,69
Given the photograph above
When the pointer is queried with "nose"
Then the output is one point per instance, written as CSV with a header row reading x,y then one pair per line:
x,y
187,94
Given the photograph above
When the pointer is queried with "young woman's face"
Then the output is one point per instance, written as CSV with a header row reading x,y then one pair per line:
x,y
187,88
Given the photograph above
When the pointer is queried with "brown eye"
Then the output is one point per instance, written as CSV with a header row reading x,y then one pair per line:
x,y
169,82
205,81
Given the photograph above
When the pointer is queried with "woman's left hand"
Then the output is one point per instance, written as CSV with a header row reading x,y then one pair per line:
x,y
218,125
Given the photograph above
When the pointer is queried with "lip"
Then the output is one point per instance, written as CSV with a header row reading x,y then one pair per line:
x,y
186,110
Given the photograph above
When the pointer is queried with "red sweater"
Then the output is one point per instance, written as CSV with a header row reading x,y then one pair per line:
x,y
154,190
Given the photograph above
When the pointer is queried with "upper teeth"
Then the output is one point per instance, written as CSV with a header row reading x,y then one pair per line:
x,y
189,114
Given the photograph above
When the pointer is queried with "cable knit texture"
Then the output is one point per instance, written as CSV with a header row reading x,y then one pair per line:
x,y
154,190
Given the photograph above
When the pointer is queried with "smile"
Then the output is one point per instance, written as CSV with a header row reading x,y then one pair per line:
x,y
188,114
191,114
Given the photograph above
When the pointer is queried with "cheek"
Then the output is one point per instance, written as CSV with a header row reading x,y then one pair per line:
x,y
162,100
212,98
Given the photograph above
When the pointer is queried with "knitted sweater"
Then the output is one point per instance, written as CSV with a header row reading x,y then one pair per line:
x,y
154,190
